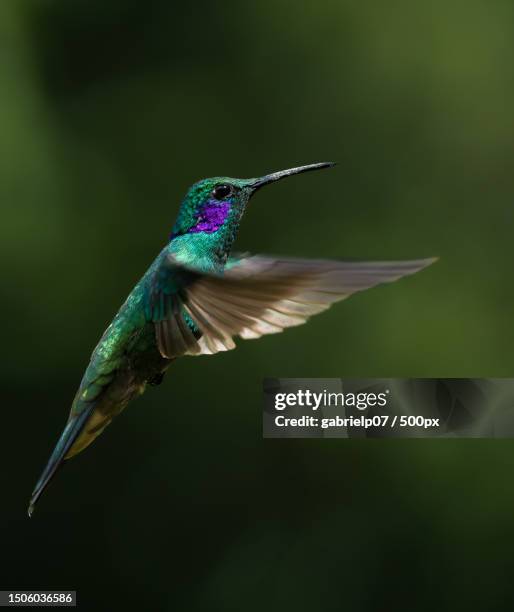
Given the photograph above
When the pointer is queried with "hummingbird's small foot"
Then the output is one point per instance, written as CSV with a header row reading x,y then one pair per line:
x,y
156,380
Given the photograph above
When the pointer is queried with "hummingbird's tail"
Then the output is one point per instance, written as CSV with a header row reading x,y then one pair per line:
x,y
72,430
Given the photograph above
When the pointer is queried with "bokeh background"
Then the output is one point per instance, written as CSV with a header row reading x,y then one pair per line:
x,y
109,110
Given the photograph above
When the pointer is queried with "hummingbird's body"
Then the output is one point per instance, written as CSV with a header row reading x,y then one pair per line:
x,y
194,300
124,361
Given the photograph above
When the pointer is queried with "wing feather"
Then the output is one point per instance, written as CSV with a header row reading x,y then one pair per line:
x,y
263,295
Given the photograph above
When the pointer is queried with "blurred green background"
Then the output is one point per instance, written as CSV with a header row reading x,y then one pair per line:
x,y
109,110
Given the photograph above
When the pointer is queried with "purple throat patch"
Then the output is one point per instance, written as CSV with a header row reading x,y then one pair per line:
x,y
211,217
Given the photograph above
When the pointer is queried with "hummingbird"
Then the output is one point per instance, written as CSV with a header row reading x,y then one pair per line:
x,y
196,297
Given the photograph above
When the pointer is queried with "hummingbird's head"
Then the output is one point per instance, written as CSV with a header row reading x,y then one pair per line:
x,y
211,211
211,205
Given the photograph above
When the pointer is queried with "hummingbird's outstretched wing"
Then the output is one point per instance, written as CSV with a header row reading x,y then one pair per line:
x,y
259,295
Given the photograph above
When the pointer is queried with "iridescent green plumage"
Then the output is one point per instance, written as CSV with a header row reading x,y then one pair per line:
x,y
193,300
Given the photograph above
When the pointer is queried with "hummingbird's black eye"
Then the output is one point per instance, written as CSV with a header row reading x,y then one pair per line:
x,y
221,191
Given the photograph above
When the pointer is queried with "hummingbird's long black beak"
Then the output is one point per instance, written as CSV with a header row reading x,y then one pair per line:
x,y
277,176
